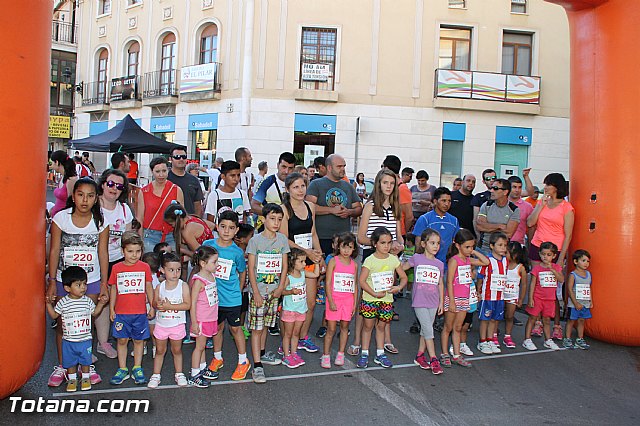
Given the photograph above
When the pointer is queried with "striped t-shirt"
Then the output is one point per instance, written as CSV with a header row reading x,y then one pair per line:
x,y
387,220
76,318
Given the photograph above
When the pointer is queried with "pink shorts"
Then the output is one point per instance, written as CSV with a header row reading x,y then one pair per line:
x,y
207,329
290,316
545,307
177,332
344,310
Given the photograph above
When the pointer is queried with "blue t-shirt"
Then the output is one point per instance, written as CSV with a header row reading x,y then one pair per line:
x,y
229,292
447,226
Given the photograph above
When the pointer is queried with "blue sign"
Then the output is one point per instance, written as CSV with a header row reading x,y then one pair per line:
x,y
203,121
97,127
137,120
163,124
513,135
454,131
312,123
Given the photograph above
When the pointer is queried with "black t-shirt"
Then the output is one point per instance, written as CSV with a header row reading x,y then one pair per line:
x,y
481,198
462,209
191,189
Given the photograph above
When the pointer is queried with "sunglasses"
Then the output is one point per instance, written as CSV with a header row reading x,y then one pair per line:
x,y
180,157
119,186
496,188
488,178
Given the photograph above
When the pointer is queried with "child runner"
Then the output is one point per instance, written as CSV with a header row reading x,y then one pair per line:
x,y
459,285
542,295
130,290
267,270
245,233
79,237
341,287
204,312
377,280
580,302
76,310
230,278
227,196
494,279
428,296
153,260
171,300
515,288
294,305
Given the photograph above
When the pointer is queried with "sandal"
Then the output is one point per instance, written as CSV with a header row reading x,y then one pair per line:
x,y
354,350
395,317
390,348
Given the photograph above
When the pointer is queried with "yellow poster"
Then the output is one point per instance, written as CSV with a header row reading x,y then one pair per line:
x,y
59,126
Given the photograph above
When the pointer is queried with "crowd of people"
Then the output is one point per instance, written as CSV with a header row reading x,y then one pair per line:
x,y
259,252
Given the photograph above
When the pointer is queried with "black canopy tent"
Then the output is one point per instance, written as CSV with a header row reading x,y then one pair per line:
x,y
125,136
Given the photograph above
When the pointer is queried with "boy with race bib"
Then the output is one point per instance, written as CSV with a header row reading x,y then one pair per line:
x,y
580,302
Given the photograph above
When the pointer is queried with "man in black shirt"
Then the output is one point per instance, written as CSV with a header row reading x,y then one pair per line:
x,y
461,206
488,176
189,184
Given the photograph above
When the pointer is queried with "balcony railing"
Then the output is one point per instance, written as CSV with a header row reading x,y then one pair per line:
x,y
125,88
95,93
487,86
63,32
160,83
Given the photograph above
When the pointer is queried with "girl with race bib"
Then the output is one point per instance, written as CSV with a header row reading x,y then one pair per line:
x,y
171,300
341,287
518,267
460,293
79,237
377,280
428,296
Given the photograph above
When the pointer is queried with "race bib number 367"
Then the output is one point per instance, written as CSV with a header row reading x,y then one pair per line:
x,y
130,282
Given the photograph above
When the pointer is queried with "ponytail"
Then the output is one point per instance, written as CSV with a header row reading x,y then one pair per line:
x,y
176,213
66,162
462,236
202,253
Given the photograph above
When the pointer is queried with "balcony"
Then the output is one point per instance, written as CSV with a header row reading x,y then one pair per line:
x,y
95,97
506,93
160,88
125,92
200,82
63,32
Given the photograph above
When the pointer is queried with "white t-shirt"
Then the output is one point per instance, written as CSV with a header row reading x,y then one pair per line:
x,y
78,246
220,201
76,318
214,175
117,219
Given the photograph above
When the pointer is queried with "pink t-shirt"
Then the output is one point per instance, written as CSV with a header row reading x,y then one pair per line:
x,y
544,290
460,289
525,210
204,312
344,269
550,225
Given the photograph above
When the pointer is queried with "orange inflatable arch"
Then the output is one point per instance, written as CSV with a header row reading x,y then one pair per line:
x,y
604,129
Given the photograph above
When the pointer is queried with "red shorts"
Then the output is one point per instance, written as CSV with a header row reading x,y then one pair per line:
x,y
545,307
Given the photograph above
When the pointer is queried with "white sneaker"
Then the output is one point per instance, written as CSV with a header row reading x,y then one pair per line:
x,y
144,352
181,379
451,349
485,348
529,345
551,345
154,381
465,350
495,348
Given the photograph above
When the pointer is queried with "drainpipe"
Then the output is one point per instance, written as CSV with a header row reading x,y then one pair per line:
x,y
355,161
247,67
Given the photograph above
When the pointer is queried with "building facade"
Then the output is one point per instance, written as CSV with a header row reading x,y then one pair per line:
x,y
450,86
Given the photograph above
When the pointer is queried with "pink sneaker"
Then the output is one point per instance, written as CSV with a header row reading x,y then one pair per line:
x,y
107,350
508,342
94,376
58,377
537,329
339,359
421,361
557,332
290,361
298,358
325,361
495,340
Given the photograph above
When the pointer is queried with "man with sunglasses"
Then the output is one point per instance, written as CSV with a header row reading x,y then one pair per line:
x,y
497,214
189,184
488,177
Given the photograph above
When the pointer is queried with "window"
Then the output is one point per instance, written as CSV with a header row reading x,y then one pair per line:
x,y
518,6
457,4
104,7
209,45
455,48
133,59
318,58
516,53
102,76
168,66
451,160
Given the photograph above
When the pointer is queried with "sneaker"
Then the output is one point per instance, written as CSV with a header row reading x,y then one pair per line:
x,y
339,359
465,350
72,385
322,331
144,351
537,329
550,344
325,361
58,376
246,332
308,345
216,364
494,349
508,342
258,375
121,375
188,340
485,348
209,344
461,361
445,360
209,374
138,376
269,358
363,361
240,373
517,322
581,344
280,350
94,377
297,356
198,381
383,361
181,379
422,362
495,340
557,332
529,345
415,328
290,361
274,331
154,381
107,350
85,384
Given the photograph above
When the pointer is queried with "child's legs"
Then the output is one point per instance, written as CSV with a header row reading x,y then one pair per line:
x,y
546,326
72,370
122,348
509,311
328,338
463,331
238,338
556,318
312,289
256,343
344,336
59,334
381,332
457,326
161,349
367,326
529,326
84,369
422,345
387,333
581,328
176,351
569,329
138,349
295,337
198,351
219,338
431,347
484,329
446,331
286,337
357,335
103,323
493,328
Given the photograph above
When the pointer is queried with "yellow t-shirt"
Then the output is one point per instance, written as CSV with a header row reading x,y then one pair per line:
x,y
380,270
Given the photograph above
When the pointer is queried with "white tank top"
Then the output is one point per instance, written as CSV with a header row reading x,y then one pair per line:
x,y
512,289
169,319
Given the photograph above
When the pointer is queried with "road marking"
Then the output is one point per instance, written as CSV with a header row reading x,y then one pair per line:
x,y
289,377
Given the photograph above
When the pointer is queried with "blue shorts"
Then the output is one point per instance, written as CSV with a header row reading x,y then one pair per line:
x,y
74,353
584,313
131,326
491,310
